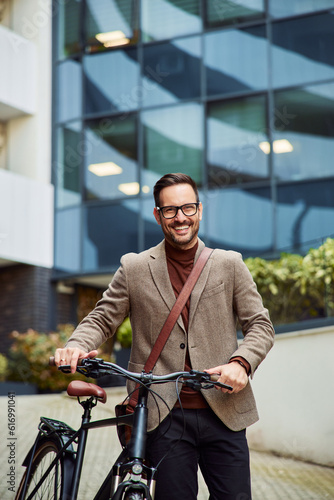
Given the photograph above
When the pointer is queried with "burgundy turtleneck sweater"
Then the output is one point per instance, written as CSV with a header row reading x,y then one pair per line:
x,y
180,264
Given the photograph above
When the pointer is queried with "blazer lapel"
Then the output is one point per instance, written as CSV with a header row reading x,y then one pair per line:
x,y
160,276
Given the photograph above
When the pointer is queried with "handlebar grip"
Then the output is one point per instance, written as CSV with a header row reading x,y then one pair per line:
x,y
53,363
214,378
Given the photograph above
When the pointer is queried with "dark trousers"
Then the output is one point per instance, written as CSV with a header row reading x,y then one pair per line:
x,y
222,455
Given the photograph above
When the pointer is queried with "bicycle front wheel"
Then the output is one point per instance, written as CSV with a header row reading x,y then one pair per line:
x,y
52,486
134,495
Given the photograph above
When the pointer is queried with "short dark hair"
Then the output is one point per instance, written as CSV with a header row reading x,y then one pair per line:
x,y
170,180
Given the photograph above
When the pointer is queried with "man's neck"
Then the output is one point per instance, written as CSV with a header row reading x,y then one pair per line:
x,y
179,253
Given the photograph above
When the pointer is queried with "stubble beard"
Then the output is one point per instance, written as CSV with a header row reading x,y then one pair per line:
x,y
178,241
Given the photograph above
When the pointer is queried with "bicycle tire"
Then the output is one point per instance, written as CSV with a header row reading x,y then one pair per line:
x,y
52,486
134,495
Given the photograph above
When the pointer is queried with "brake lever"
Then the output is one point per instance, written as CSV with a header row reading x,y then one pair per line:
x,y
223,386
65,368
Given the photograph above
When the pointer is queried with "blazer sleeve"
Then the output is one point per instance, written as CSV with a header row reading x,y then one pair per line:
x,y
108,314
253,317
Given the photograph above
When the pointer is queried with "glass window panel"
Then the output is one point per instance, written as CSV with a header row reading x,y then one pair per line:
x,y
169,18
111,23
111,159
173,142
221,12
240,219
171,71
302,50
305,214
293,7
152,231
66,168
235,60
67,240
69,27
69,91
236,135
112,81
304,133
109,232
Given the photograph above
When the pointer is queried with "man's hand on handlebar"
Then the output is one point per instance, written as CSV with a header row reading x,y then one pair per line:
x,y
231,374
70,356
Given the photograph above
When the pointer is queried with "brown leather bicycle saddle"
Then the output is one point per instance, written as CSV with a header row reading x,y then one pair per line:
x,y
80,388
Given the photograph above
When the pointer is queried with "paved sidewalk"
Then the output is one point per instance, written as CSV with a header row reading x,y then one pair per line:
x,y
273,478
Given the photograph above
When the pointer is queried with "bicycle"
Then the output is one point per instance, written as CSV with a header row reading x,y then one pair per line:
x,y
54,462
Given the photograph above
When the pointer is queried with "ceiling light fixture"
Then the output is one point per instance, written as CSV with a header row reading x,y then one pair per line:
x,y
279,146
112,38
129,188
104,169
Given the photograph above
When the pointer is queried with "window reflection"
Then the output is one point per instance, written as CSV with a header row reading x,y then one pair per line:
x,y
220,12
240,220
67,240
236,130
69,93
111,160
305,214
235,60
305,118
69,27
109,232
111,23
169,18
112,81
173,142
293,7
302,50
171,71
66,168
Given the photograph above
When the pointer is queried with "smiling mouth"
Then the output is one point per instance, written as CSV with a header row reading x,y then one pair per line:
x,y
181,228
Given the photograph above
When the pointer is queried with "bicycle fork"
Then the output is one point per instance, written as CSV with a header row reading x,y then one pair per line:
x,y
136,452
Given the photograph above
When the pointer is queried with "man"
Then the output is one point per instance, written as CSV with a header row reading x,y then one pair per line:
x,y
204,338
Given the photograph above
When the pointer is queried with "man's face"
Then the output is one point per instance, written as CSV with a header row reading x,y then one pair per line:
x,y
181,231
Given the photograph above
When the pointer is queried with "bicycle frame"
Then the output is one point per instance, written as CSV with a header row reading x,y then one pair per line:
x,y
130,460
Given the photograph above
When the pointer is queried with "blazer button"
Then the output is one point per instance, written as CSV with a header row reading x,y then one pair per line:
x,y
182,346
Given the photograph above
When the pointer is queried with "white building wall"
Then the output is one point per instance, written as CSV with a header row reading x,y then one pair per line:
x,y
294,389
26,220
26,193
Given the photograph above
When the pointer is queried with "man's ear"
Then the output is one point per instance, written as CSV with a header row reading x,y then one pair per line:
x,y
157,216
200,211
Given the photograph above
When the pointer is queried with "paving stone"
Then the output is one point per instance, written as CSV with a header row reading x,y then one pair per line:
x,y
273,477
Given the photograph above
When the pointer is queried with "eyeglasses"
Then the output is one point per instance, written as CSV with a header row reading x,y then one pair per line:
x,y
188,210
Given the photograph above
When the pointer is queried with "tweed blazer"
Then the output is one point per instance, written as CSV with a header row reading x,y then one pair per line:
x,y
224,292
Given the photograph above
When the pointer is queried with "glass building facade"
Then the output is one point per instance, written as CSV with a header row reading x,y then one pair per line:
x,y
239,95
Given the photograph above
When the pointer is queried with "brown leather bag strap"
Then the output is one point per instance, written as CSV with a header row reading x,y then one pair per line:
x,y
174,314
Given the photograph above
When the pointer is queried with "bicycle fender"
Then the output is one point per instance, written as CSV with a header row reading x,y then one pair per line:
x,y
68,460
123,487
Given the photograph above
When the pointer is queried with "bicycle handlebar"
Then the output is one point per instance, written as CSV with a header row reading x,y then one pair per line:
x,y
96,367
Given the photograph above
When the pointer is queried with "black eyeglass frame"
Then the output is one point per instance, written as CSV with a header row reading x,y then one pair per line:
x,y
160,209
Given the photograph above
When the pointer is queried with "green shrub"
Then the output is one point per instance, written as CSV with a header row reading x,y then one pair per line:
x,y
3,367
124,334
296,288
28,359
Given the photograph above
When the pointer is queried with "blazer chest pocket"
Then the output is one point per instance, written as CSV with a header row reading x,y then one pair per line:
x,y
213,291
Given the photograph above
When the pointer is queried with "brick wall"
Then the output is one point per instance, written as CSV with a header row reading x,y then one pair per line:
x,y
25,293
